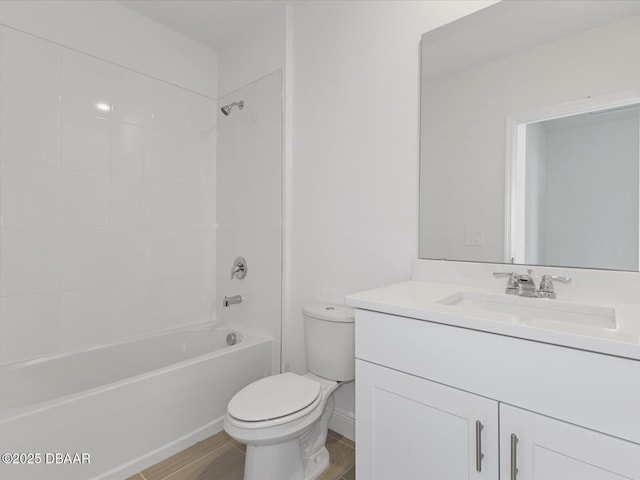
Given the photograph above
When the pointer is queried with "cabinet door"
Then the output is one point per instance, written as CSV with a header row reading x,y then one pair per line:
x,y
410,428
542,448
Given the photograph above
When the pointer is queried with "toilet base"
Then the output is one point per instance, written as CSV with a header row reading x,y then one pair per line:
x,y
316,464
283,462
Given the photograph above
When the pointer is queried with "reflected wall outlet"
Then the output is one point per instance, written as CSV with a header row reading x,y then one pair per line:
x,y
473,238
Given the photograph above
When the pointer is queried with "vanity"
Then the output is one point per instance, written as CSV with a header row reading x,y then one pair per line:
x,y
514,351
454,390
529,159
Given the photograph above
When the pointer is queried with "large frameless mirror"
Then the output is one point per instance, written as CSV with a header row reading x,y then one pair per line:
x,y
530,135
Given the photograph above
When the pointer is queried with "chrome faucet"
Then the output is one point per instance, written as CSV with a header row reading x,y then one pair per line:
x,y
525,286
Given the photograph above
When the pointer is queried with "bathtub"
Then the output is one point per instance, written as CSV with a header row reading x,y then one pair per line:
x,y
109,412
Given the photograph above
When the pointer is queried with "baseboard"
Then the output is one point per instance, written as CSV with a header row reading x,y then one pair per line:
x,y
151,458
344,423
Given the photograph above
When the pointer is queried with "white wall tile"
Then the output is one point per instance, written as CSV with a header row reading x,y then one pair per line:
x,y
31,69
85,317
132,150
208,162
170,254
249,210
201,145
203,255
170,110
181,301
255,157
30,196
132,97
30,261
266,256
174,206
201,111
130,257
86,83
131,311
126,203
30,326
86,142
105,233
172,159
207,209
263,307
31,134
85,200
86,259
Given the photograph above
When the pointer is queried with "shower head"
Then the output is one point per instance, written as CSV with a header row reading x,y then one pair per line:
x,y
227,108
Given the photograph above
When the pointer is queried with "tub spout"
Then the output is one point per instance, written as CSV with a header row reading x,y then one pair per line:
x,y
231,300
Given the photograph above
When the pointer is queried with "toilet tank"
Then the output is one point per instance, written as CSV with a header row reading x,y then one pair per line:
x,y
329,335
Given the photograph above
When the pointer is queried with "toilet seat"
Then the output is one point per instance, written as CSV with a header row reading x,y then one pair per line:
x,y
275,399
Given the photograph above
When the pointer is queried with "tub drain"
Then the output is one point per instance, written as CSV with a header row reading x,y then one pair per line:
x,y
232,339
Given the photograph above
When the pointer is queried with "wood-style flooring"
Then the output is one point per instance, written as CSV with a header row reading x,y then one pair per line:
x,y
221,458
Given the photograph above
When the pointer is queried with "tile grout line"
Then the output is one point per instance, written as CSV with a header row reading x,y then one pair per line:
x,y
346,444
352,447
196,460
237,448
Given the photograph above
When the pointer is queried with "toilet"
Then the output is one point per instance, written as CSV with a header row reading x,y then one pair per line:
x,y
283,419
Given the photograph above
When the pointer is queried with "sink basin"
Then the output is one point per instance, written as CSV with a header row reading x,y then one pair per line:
x,y
544,313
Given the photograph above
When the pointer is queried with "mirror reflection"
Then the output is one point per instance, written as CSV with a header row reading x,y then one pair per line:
x,y
530,135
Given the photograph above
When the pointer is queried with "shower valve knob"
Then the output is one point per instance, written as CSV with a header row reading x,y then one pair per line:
x,y
239,269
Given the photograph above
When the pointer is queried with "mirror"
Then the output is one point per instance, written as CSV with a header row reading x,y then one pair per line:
x,y
530,135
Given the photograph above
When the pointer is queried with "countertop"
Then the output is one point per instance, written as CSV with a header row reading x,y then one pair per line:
x,y
418,299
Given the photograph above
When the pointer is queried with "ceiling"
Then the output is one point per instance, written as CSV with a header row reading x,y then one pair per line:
x,y
211,22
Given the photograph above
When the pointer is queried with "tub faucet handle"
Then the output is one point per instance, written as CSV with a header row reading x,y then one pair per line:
x,y
239,269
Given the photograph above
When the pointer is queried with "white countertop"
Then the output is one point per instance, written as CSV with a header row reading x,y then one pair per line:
x,y
417,299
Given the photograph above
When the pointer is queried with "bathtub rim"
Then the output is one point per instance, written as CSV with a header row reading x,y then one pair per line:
x,y
249,339
25,362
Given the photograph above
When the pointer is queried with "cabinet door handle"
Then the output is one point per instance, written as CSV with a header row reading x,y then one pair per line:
x,y
514,456
479,454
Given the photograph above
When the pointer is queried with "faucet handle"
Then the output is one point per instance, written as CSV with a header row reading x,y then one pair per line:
x,y
504,274
546,284
512,283
239,269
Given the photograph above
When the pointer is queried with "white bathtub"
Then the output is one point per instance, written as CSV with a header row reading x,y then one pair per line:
x,y
127,406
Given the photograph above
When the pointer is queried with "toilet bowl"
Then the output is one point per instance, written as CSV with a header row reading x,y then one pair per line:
x,y
283,419
285,441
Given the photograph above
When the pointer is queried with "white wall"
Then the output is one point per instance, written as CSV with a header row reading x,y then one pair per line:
x,y
107,216
592,195
355,125
115,33
258,51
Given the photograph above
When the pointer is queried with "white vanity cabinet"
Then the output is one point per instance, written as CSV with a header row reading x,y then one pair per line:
x,y
422,386
542,448
409,427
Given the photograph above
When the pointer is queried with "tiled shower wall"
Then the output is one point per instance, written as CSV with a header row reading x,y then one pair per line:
x,y
250,208
107,201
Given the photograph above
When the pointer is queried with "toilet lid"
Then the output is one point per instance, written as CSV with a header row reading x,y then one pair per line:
x,y
273,397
